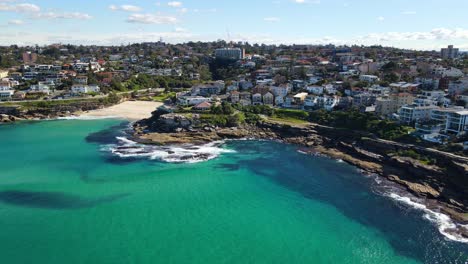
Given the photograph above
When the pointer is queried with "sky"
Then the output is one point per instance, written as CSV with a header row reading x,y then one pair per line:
x,y
411,24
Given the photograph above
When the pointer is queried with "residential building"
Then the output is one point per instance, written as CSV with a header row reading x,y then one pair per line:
x,y
428,83
404,87
385,106
279,100
208,89
230,53
364,99
310,101
458,87
268,98
281,90
234,86
449,53
368,67
330,102
245,85
192,100
300,98
369,78
39,88
414,113
257,99
457,123
439,115
6,94
447,72
3,74
235,97
261,89
298,84
84,88
203,106
317,90
81,79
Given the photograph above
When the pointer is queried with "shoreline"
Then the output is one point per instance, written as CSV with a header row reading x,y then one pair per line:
x,y
436,185
128,110
311,139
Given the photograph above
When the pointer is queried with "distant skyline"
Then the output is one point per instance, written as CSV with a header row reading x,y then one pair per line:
x,y
412,24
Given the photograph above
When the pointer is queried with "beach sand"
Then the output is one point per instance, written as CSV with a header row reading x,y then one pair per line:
x,y
131,110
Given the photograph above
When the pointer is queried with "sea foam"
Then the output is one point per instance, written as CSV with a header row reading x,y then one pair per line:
x,y
445,224
126,148
86,117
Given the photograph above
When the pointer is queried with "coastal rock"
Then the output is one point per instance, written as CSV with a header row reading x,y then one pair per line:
x,y
419,189
172,122
8,118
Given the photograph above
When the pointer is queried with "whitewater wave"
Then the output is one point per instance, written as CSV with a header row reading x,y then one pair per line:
x,y
445,224
86,117
126,148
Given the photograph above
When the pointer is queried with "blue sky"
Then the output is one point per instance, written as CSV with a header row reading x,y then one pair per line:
x,y
415,24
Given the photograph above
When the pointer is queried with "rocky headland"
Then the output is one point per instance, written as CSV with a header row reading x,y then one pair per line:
x,y
443,184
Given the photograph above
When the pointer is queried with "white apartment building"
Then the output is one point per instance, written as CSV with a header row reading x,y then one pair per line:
x,y
411,113
317,90
192,100
40,88
369,78
83,88
457,122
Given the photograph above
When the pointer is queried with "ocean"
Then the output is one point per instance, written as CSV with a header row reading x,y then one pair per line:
x,y
80,191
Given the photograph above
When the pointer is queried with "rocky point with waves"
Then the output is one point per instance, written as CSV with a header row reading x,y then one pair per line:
x,y
443,185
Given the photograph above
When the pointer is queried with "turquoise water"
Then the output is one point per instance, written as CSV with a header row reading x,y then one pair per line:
x,y
64,198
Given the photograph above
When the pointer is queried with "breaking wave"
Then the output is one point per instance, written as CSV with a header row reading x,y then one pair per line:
x,y
445,224
126,148
86,117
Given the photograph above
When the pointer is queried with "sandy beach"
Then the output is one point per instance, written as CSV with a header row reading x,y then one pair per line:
x,y
131,110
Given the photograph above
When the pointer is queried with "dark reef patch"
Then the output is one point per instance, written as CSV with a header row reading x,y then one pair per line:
x,y
228,166
109,135
54,200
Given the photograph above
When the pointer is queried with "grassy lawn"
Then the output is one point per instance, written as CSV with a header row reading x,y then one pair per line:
x,y
162,97
288,120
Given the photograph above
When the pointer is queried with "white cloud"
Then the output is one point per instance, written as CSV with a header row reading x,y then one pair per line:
x,y
306,1
151,19
408,13
211,10
64,15
381,18
128,8
16,22
175,4
429,40
183,10
20,8
435,34
180,29
271,19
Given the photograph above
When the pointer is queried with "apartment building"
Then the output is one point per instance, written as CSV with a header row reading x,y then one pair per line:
x,y
412,113
457,122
